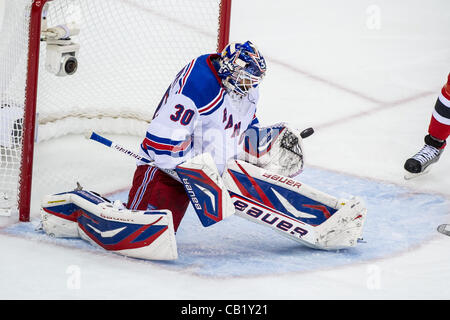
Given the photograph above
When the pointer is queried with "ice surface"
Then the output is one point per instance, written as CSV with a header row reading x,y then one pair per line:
x,y
239,248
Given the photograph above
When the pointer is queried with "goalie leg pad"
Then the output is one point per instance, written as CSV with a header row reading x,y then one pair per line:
x,y
59,216
343,228
296,210
206,189
58,227
139,234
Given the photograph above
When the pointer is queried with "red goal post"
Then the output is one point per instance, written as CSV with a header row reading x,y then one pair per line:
x,y
140,20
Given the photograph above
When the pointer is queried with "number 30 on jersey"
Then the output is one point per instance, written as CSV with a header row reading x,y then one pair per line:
x,y
184,116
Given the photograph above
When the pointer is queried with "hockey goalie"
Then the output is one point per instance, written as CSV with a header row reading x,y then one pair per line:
x,y
205,147
246,188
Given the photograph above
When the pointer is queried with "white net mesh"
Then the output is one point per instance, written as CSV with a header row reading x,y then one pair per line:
x,y
130,50
13,58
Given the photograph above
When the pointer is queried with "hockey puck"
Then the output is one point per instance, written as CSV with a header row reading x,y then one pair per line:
x,y
306,133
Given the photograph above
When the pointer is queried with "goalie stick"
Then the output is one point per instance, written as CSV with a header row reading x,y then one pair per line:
x,y
344,220
111,144
206,221
204,218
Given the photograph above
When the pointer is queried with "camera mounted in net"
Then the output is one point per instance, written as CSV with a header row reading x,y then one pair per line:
x,y
61,55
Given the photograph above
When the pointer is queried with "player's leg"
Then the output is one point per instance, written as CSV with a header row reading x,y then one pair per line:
x,y
154,188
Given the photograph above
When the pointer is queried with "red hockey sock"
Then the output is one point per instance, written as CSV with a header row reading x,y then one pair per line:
x,y
439,127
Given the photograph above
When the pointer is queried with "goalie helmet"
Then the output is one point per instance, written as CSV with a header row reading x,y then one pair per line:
x,y
242,67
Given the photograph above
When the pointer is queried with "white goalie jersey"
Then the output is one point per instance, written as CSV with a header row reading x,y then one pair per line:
x,y
196,115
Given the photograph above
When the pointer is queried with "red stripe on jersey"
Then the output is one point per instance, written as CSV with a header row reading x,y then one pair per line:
x,y
166,147
214,103
438,130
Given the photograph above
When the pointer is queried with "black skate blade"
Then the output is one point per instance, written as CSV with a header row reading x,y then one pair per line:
x,y
409,175
444,229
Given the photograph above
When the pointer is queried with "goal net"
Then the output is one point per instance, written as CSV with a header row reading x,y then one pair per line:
x,y
124,54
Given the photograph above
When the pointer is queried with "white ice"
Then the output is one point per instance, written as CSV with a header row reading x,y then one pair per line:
x,y
365,75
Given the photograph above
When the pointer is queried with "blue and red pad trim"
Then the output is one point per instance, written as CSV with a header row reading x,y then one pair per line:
x,y
205,195
263,192
109,234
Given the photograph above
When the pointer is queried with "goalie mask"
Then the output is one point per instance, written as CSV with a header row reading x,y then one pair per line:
x,y
242,68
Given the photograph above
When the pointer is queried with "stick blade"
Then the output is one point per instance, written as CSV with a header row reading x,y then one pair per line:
x,y
444,229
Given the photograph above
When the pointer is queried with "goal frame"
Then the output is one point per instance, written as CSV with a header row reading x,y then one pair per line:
x,y
31,91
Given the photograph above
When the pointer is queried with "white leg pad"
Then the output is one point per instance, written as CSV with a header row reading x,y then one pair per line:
x,y
344,228
83,214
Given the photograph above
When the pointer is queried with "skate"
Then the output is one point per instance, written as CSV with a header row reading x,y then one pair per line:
x,y
420,163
